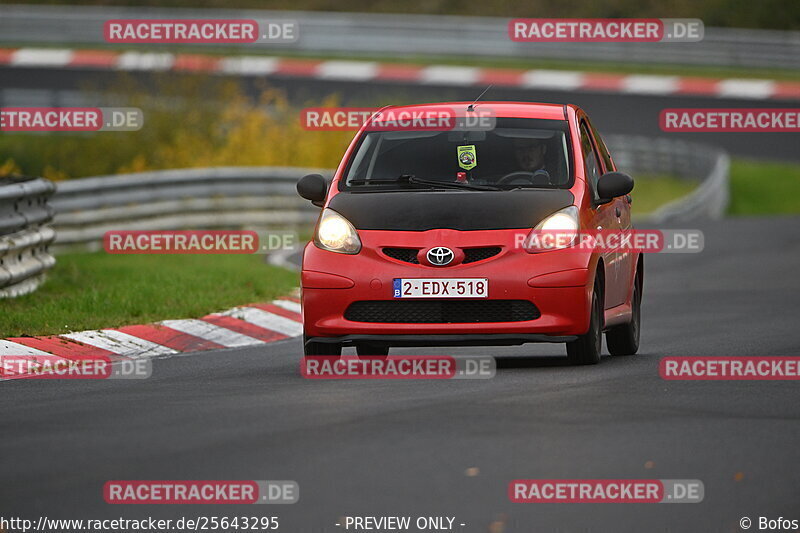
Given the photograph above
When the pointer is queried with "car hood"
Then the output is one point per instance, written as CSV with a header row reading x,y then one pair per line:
x,y
459,210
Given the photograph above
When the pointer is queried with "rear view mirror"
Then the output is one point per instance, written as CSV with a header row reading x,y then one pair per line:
x,y
313,187
614,184
470,136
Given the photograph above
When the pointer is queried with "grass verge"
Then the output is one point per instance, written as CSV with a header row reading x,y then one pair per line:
x,y
764,188
651,192
756,188
98,290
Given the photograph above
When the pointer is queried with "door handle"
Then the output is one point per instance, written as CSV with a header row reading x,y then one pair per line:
x,y
619,212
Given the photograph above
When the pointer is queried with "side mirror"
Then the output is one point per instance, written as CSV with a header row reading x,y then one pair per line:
x,y
613,184
313,187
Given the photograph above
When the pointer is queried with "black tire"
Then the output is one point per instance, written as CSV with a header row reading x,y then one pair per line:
x,y
312,349
624,339
585,350
372,348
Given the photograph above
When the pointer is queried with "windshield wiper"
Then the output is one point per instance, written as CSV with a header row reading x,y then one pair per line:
x,y
452,184
413,180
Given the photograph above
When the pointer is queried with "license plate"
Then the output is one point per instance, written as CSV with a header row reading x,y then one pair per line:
x,y
441,288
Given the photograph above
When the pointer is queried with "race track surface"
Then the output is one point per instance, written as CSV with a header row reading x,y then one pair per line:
x,y
611,113
405,447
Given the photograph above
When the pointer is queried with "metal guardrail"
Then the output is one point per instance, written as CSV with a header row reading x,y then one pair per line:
x,y
201,198
707,165
265,197
709,200
366,34
24,234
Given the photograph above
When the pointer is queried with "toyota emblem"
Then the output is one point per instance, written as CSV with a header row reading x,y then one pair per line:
x,y
440,256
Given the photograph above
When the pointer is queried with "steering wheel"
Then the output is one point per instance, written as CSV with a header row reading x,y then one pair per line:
x,y
517,174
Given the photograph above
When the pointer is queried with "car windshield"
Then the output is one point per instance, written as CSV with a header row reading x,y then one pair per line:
x,y
516,154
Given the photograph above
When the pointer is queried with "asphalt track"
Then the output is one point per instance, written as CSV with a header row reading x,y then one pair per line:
x,y
612,113
405,447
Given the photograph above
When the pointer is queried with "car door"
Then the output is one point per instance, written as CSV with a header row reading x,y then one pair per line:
x,y
604,215
624,257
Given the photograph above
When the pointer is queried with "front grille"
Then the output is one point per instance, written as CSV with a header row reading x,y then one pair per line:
x,y
407,255
441,311
472,255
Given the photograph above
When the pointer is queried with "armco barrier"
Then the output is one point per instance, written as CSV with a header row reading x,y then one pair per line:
x,y
24,234
224,197
371,34
705,165
265,197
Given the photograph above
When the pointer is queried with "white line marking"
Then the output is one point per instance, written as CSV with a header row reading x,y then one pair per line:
x,y
647,84
288,305
449,75
248,65
12,348
119,343
552,79
347,70
211,332
266,320
41,57
147,61
746,88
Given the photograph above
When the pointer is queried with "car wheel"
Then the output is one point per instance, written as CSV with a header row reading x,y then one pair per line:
x,y
371,348
312,349
624,339
585,350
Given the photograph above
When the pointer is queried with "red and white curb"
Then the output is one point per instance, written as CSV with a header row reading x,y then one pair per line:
x,y
250,325
365,71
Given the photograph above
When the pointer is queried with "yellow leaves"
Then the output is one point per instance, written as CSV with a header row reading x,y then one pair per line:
x,y
54,174
190,122
237,132
9,167
138,164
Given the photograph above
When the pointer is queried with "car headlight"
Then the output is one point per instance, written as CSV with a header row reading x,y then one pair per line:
x,y
336,234
555,232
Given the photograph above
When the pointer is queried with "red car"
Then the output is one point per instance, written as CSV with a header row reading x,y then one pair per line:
x,y
425,238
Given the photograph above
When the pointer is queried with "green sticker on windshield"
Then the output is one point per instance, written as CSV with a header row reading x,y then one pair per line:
x,y
467,158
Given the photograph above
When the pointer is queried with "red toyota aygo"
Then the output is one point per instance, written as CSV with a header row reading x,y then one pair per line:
x,y
424,238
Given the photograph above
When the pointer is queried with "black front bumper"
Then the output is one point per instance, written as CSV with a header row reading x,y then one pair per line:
x,y
496,339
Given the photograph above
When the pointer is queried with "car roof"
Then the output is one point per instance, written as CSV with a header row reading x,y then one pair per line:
x,y
502,109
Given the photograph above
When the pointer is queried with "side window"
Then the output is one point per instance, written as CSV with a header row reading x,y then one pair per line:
x,y
590,160
608,163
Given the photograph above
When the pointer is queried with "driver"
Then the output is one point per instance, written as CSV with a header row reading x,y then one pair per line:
x,y
530,154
